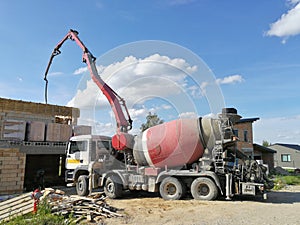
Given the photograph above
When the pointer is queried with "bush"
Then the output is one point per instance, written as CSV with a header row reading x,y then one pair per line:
x,y
281,181
292,180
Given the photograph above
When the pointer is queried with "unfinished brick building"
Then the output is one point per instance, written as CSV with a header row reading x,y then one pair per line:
x,y
33,137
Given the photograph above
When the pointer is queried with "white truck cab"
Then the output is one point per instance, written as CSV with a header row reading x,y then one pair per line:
x,y
83,150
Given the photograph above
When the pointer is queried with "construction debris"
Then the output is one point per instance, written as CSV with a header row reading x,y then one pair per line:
x,y
91,209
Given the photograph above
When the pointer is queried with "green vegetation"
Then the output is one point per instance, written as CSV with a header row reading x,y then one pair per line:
x,y
42,217
152,120
281,181
290,170
266,143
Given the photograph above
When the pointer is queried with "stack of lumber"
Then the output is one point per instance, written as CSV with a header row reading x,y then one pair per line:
x,y
16,206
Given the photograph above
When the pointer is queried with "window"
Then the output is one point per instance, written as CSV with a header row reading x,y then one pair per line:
x,y
285,157
236,132
103,144
245,136
77,146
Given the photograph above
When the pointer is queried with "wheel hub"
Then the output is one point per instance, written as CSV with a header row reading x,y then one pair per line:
x,y
170,189
203,189
80,186
110,187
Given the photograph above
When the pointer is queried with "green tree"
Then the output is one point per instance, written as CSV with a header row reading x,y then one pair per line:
x,y
266,143
151,120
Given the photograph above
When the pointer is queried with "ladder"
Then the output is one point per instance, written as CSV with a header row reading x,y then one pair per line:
x,y
218,148
218,157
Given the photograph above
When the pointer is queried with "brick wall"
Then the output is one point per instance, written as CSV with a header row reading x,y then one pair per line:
x,y
241,127
12,170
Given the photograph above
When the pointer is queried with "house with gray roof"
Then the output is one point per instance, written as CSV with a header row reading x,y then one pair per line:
x,y
287,155
243,130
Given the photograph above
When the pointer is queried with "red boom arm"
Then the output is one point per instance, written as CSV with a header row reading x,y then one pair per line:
x,y
116,102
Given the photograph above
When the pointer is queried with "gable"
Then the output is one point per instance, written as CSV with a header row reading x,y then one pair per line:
x,y
285,147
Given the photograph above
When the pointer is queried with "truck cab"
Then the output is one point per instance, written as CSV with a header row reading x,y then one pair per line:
x,y
81,152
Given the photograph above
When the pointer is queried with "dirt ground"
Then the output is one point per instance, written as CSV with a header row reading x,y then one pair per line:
x,y
281,207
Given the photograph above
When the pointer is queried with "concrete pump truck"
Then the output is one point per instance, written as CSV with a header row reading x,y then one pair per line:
x,y
196,156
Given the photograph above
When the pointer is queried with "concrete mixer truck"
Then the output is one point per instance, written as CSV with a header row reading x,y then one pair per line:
x,y
196,156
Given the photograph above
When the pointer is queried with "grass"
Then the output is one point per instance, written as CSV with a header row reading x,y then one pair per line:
x,y
42,217
281,181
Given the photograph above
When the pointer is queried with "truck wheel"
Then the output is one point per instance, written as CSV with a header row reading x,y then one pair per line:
x,y
204,188
171,189
113,187
82,185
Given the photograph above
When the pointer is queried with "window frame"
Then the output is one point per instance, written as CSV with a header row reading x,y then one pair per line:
x,y
82,147
236,132
288,157
246,139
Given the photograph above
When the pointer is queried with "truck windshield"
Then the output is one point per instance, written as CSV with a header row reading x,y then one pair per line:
x,y
76,146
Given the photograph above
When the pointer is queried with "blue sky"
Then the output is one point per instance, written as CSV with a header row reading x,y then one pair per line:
x,y
252,48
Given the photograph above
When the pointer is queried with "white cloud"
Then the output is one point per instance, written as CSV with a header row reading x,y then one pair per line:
x,y
230,79
197,92
188,115
137,80
166,107
141,113
80,70
278,130
20,79
103,128
135,113
203,87
107,129
55,73
88,97
288,24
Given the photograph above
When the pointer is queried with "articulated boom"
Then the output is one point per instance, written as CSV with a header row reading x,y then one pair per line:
x,y
116,102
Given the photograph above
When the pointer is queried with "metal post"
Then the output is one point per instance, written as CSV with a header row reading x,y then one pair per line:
x,y
228,186
91,165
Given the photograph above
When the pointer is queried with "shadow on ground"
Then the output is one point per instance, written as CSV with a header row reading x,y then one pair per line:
x,y
276,197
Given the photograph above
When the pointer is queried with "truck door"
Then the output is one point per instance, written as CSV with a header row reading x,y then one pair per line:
x,y
77,154
103,148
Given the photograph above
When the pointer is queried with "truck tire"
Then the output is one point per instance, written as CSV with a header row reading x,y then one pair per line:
x,y
113,187
82,185
204,188
172,189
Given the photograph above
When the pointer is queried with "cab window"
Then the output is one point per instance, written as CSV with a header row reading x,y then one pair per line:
x,y
103,144
76,146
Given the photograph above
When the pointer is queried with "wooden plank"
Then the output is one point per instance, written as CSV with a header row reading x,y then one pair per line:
x,y
16,206
19,205
18,212
20,197
111,213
